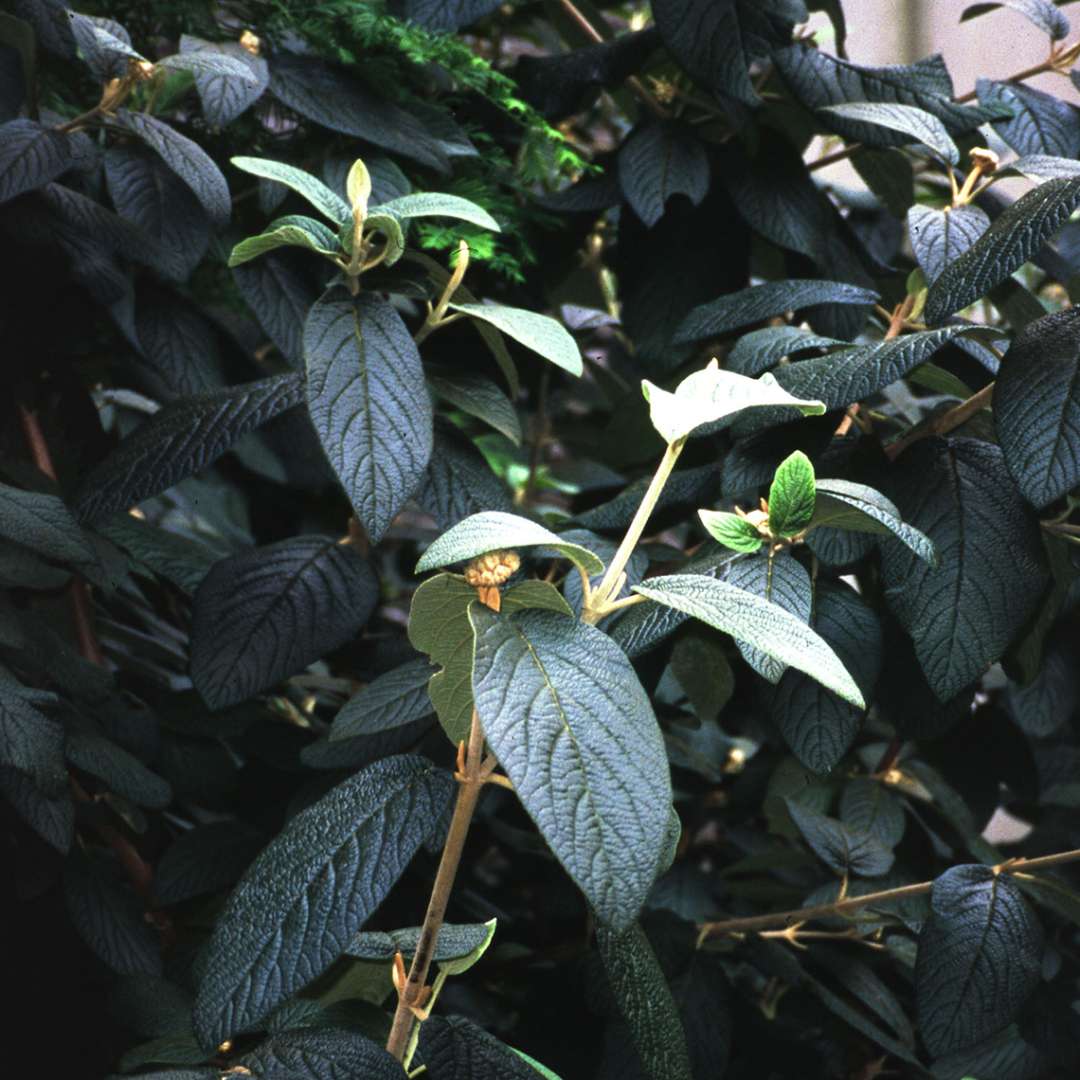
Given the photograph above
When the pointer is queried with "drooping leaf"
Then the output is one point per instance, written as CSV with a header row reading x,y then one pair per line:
x,y
456,1049
224,93
1014,237
123,773
439,626
757,622
658,161
732,531
186,158
311,890
1037,407
940,237
398,697
206,859
791,495
267,613
173,557
541,333
30,157
645,1001
1040,123
979,958
458,482
715,396
1043,13
842,848
44,524
280,297
324,1054
910,120
182,440
332,97
569,722
438,204
31,742
478,396
53,819
368,402
963,613
760,350
494,531
843,504
871,807
294,231
303,183
105,45
783,582
853,374
817,725
760,302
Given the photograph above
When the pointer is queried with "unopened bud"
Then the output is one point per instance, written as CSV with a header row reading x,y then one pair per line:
x,y
251,42
492,569
986,161
142,70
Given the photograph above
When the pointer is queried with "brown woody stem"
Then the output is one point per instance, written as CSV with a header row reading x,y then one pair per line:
x,y
944,422
753,923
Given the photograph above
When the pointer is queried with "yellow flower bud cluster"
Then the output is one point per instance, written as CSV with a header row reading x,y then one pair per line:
x,y
494,568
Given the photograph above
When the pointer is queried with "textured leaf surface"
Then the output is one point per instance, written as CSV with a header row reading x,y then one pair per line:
x,y
181,440
368,402
480,397
659,161
187,159
458,481
645,1001
44,524
398,697
757,622
326,1054
267,613
906,119
714,396
541,333
303,183
766,301
280,296
30,157
842,848
494,530
732,531
817,725
123,773
1014,237
763,349
979,958
311,890
1043,13
293,231
204,860
1040,124
1037,407
869,806
940,237
853,374
454,1048
791,495
457,942
564,712
31,742
438,204
963,613
224,92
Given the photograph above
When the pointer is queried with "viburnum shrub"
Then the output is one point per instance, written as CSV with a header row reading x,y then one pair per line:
x,y
509,571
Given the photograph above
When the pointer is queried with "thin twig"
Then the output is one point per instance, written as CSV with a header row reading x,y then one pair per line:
x,y
944,422
753,923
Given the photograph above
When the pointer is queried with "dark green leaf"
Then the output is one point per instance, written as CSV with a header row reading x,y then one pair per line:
x,y
230,79
305,897
399,697
458,481
205,859
1043,13
52,819
321,1055
761,302
645,1001
1037,407
281,297
763,349
817,725
541,333
1040,124
104,44
45,525
187,159
182,440
1014,237
980,954
564,712
171,556
658,161
123,773
267,613
457,943
31,742
940,237
963,613
454,1048
311,188
910,120
870,806
478,396
842,848
368,402
444,14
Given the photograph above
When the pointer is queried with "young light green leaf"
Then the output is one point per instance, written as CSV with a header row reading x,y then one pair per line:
x,y
906,119
494,530
791,495
572,726
757,622
715,396
842,504
540,333
439,204
303,183
309,892
358,186
293,231
731,530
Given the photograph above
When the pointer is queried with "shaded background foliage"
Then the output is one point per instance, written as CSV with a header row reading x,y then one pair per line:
x,y
644,173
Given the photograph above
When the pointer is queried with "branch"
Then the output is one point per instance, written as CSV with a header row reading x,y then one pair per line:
x,y
944,422
753,923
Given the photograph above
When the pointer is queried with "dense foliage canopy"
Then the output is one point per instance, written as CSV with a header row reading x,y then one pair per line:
x,y
505,571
